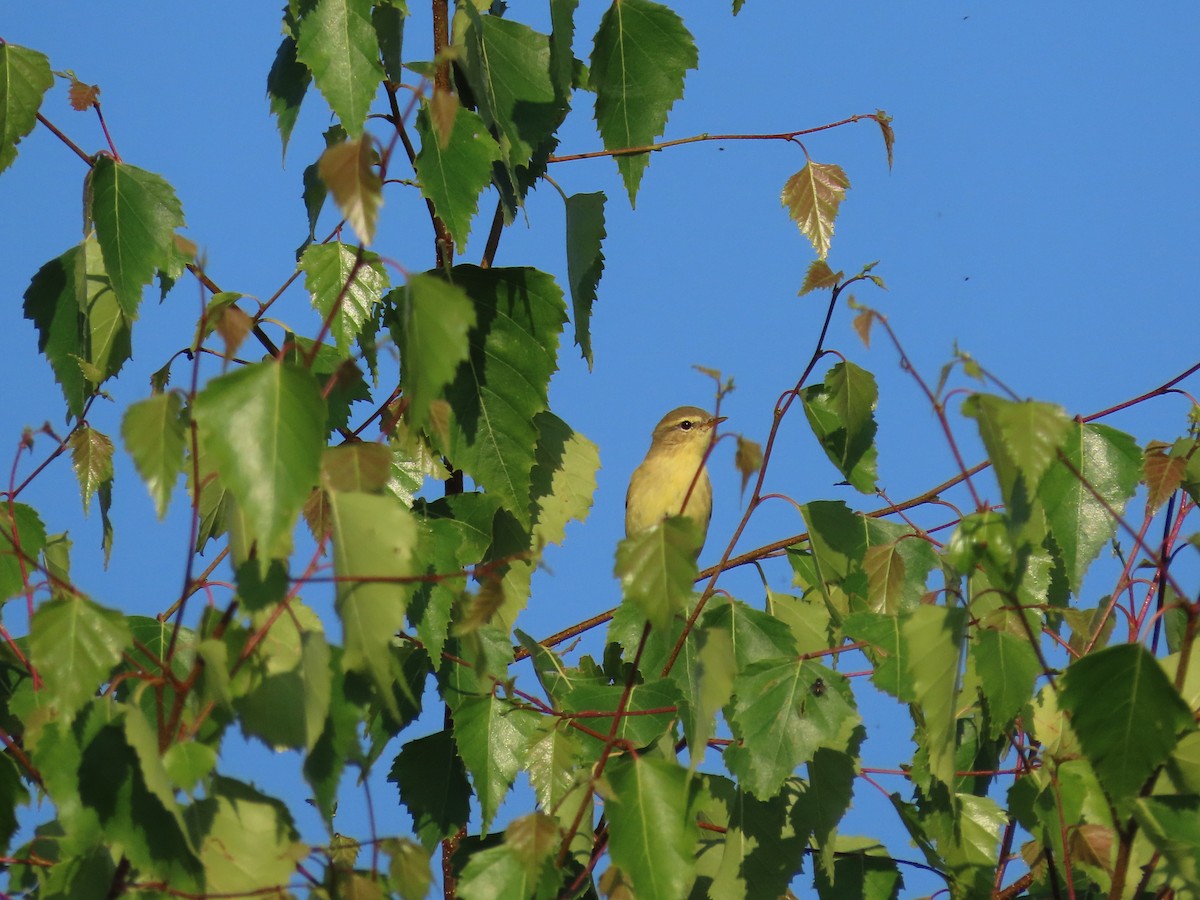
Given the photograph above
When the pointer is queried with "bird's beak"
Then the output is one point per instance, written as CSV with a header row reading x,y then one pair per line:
x,y
717,421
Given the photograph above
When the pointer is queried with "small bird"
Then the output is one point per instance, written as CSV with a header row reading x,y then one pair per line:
x,y
660,484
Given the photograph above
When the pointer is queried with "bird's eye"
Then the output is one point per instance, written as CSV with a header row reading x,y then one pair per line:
x,y
686,424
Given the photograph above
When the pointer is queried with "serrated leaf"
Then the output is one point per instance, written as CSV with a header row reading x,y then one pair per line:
x,y
1172,823
338,44
585,262
932,637
640,56
121,777
453,172
136,214
74,644
348,171
652,824
657,568
246,840
503,383
1127,716
1163,474
25,77
818,277
373,541
753,633
287,83
1008,668
430,319
288,697
82,96
388,20
264,429
710,687
784,709
348,279
1028,433
493,737
841,411
91,458
153,433
508,67
1109,462
433,786
71,302
563,480
812,197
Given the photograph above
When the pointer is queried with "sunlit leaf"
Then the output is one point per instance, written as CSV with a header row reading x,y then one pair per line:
x,y
264,427
338,44
841,411
348,171
153,433
25,77
812,197
493,737
640,55
430,319
657,568
1127,715
652,826
454,171
135,213
91,457
81,326
348,280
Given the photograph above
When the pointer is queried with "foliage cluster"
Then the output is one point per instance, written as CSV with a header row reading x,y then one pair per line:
x,y
1055,731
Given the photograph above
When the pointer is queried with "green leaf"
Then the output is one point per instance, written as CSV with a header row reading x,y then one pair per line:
x,y
784,709
264,427
640,55
933,637
563,480
812,197
1008,668
189,763
348,170
21,529
1109,461
454,172
246,839
135,213
652,824
1173,826
430,320
585,262
650,711
13,792
153,431
74,644
25,77
337,42
1127,715
433,786
91,458
348,280
493,737
121,778
373,541
502,385
841,412
288,698
754,634
287,83
508,68
1026,435
710,687
388,19
863,869
657,568
82,329
494,873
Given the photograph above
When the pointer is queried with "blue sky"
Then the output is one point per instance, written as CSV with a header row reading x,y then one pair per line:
x,y
1042,213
